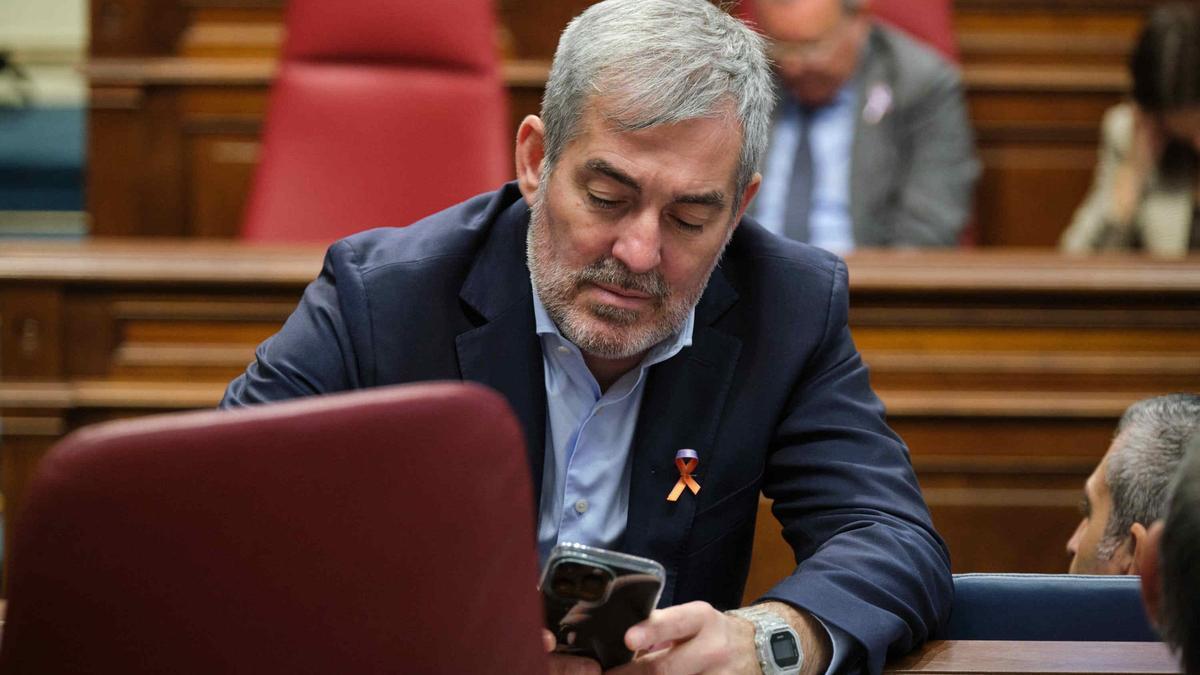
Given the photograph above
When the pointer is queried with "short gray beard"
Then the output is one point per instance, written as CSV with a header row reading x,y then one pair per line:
x,y
557,286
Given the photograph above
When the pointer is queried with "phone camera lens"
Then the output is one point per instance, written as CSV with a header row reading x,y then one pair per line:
x,y
592,586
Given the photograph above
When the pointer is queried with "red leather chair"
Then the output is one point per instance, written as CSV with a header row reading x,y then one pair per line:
x,y
383,112
931,21
388,531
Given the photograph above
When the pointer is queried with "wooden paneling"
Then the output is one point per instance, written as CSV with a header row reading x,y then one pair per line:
x,y
1005,372
1038,75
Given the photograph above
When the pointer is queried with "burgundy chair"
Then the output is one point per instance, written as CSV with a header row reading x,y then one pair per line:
x,y
383,111
930,21
387,531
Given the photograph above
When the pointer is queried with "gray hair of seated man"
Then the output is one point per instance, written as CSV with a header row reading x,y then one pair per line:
x,y
657,63
1150,441
1179,562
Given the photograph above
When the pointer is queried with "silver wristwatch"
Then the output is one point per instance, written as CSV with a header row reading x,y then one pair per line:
x,y
778,646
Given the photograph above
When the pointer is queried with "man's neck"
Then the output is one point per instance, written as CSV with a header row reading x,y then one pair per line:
x,y
608,371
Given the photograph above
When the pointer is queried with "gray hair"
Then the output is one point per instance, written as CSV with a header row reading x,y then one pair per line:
x,y
1179,565
660,62
1149,445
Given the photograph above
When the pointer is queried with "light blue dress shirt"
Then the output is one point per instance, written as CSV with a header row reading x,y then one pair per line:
x,y
831,137
589,435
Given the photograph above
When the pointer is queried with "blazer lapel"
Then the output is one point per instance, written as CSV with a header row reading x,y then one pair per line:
x,y
681,408
504,352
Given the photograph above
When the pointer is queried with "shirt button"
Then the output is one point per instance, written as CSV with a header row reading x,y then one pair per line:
x,y
581,506
562,349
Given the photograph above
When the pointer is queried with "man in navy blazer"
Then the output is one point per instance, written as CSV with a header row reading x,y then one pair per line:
x,y
617,267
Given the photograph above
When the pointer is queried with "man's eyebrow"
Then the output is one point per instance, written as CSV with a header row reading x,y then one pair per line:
x,y
602,167
713,198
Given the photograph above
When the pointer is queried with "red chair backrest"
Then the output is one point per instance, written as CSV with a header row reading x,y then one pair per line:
x,y
383,111
930,21
387,531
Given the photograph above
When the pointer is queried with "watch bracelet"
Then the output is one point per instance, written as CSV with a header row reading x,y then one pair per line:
x,y
765,623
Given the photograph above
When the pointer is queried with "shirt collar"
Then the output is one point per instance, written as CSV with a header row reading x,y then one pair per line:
x,y
670,346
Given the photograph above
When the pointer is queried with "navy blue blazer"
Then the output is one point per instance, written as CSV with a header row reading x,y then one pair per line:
x,y
772,394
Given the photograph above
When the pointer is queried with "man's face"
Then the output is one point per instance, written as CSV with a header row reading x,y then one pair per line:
x,y
1096,508
815,45
628,226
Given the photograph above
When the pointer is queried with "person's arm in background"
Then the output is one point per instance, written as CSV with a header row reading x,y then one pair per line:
x,y
942,168
1129,147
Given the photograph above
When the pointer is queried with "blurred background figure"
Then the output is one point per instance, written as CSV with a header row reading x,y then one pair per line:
x,y
1144,195
1128,490
1170,565
871,145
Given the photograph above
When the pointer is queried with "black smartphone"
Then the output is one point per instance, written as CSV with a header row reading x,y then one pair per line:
x,y
592,596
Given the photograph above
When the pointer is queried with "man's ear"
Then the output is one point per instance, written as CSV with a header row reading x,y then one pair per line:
x,y
748,196
531,151
1146,553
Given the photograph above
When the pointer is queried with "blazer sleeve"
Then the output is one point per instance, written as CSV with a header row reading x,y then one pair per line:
x,y
1092,228
935,199
320,348
870,562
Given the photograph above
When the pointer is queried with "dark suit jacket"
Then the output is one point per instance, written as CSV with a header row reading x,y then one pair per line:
x,y
772,394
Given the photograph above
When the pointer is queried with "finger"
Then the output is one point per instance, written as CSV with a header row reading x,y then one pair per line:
x,y
562,664
670,625
548,641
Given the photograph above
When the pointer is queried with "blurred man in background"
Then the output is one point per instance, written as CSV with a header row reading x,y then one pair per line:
x,y
1128,490
871,145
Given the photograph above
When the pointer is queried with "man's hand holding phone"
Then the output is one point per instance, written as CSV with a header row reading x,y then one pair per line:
x,y
600,613
591,597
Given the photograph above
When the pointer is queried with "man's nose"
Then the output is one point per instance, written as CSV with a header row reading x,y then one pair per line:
x,y
639,242
1073,542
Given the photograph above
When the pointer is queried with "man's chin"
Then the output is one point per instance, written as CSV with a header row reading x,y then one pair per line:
x,y
606,338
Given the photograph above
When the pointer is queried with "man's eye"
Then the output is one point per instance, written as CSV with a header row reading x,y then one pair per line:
x,y
1085,509
685,225
602,203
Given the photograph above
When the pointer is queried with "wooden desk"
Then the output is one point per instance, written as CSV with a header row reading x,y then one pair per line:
x,y
1004,371
1034,658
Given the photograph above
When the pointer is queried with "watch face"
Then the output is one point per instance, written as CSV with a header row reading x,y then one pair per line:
x,y
784,649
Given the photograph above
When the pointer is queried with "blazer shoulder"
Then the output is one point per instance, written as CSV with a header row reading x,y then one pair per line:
x,y
914,68
756,249
456,232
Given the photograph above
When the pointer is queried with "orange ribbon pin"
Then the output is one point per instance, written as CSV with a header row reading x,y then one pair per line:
x,y
686,461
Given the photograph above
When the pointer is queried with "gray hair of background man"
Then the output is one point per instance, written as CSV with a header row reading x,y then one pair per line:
x,y
1179,562
659,63
1150,441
